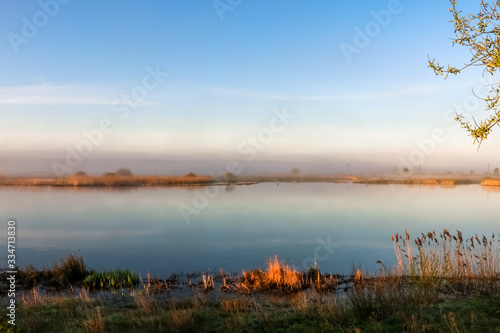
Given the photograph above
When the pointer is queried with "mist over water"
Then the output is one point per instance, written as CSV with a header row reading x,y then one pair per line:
x,y
42,166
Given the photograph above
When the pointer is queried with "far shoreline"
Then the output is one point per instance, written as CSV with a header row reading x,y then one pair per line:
x,y
446,180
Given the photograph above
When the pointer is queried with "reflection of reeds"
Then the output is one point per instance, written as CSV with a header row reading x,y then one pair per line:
x,y
447,183
491,188
429,181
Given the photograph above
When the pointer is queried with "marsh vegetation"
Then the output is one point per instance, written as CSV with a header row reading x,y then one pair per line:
x,y
441,282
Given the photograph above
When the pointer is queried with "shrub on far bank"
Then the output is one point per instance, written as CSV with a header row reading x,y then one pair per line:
x,y
123,172
230,177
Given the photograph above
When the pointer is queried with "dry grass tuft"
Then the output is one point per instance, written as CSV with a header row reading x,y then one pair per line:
x,y
208,282
282,276
144,302
235,305
64,274
94,322
182,320
278,276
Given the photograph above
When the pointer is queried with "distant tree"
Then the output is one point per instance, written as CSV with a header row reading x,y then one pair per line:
x,y
123,172
80,174
496,171
406,170
295,171
191,175
109,174
230,177
471,172
480,33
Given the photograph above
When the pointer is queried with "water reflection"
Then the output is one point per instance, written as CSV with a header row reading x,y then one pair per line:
x,y
143,229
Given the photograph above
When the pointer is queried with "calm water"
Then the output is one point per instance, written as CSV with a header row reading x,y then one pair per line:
x,y
239,228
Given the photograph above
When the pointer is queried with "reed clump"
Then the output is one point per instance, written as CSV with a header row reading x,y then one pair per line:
x,y
450,260
69,271
278,276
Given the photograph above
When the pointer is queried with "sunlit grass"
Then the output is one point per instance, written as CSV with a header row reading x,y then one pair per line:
x,y
490,182
283,278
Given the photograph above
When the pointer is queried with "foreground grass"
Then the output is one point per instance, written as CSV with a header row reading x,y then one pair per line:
x,y
304,312
448,283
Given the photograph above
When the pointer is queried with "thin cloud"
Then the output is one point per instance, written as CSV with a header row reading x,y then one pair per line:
x,y
398,92
47,94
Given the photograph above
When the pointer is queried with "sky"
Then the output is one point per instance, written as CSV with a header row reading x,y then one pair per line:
x,y
282,80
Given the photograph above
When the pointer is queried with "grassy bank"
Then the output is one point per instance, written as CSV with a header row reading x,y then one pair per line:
x,y
305,312
442,282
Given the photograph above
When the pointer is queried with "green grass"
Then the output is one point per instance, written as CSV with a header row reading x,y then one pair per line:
x,y
112,279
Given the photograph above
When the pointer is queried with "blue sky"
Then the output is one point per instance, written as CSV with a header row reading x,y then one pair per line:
x,y
228,72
